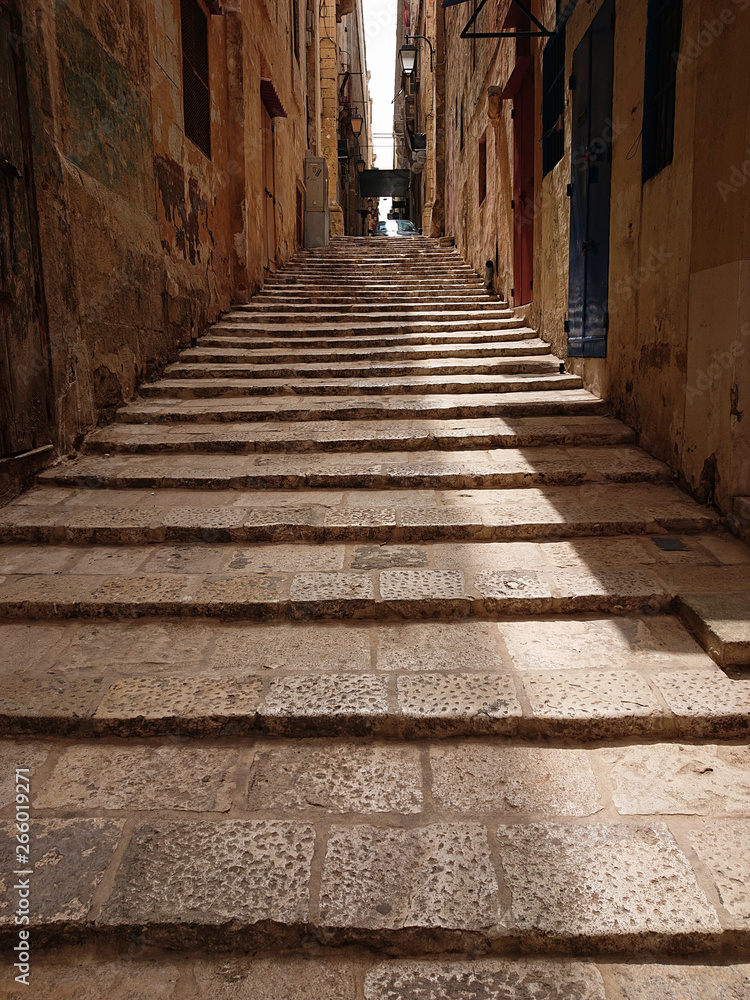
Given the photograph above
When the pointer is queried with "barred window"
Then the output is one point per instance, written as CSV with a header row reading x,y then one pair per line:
x,y
662,55
196,99
553,100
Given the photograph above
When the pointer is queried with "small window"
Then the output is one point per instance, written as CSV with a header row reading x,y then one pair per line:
x,y
196,100
662,54
553,100
295,28
482,168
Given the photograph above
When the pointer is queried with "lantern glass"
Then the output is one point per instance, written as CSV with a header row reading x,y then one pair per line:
x,y
356,122
407,57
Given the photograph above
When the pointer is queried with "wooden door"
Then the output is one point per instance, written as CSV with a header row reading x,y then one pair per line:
x,y
269,190
588,291
24,354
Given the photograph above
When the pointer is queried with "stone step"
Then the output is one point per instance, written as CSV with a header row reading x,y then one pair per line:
x,y
466,582
722,623
349,325
215,349
419,299
362,975
502,405
583,678
400,286
441,274
228,335
194,388
531,358
227,351
342,300
498,468
82,515
294,314
358,435
398,849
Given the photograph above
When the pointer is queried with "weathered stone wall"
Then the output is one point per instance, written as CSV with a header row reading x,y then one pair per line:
x,y
144,239
678,359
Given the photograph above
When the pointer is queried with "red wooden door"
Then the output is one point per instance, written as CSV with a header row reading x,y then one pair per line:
x,y
523,190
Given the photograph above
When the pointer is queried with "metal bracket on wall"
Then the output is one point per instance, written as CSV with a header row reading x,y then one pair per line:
x,y
542,32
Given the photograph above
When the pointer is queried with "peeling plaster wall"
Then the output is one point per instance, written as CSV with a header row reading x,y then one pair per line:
x,y
144,239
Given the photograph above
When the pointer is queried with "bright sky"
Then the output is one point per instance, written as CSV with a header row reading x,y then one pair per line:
x,y
380,40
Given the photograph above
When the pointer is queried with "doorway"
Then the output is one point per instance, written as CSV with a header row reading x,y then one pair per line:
x,y
25,419
269,188
591,170
523,189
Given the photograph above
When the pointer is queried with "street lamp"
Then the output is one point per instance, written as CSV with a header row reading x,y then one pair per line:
x,y
407,54
356,122
360,166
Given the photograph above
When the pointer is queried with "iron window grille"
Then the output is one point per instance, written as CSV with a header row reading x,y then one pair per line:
x,y
196,98
662,55
553,100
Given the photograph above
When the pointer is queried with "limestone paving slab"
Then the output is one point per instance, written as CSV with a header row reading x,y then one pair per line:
x,y
603,882
484,979
197,703
18,754
438,645
488,702
438,876
600,643
611,702
195,779
190,873
55,702
468,777
69,859
716,705
337,779
674,778
327,701
681,982
309,647
722,847
722,624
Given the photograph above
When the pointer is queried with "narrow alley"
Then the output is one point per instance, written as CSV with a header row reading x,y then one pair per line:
x,y
366,631
374,500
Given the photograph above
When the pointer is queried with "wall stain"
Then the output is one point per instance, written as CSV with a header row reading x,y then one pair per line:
x,y
184,214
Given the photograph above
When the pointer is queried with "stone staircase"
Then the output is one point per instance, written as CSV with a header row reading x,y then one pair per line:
x,y
366,657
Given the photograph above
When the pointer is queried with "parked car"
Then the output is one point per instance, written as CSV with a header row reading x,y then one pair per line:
x,y
396,227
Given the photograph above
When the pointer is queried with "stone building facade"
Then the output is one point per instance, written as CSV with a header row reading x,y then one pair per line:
x,y
602,168
346,100
153,161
